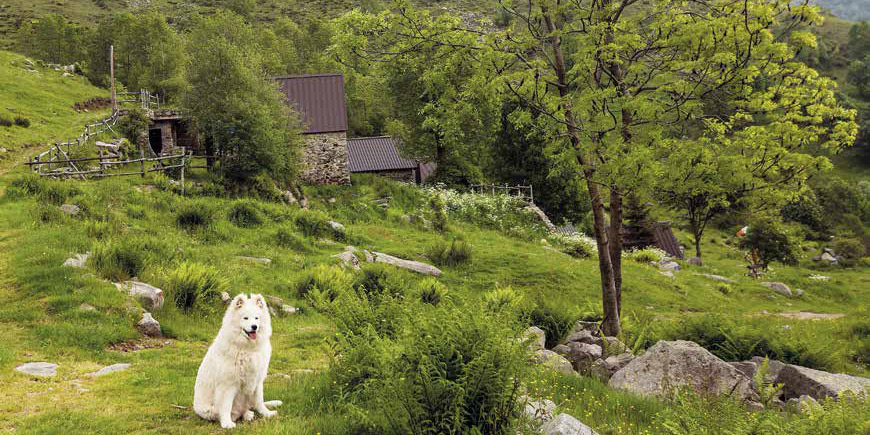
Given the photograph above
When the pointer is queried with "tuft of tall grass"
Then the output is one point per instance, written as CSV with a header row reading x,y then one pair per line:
x,y
502,299
195,285
194,215
245,214
432,291
118,260
454,253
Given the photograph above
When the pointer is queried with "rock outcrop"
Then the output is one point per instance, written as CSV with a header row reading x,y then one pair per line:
x,y
414,266
674,364
798,381
151,297
564,424
41,369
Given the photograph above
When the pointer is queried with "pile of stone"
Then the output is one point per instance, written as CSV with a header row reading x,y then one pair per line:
x,y
829,256
539,414
671,365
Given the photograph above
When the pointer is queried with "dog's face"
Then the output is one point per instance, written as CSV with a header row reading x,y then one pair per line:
x,y
249,316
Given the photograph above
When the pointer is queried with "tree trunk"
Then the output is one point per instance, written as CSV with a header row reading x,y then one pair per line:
x,y
616,243
611,324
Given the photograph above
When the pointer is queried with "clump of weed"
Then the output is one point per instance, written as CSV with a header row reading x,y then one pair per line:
x,y
554,319
377,279
194,285
454,253
313,223
724,288
48,214
194,215
285,237
432,291
245,214
6,120
502,299
120,259
324,283
22,121
645,255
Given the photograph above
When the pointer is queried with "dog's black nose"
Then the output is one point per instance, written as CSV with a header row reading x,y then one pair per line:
x,y
253,327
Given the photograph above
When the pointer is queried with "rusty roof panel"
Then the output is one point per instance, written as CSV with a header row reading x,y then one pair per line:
x,y
367,154
666,240
319,99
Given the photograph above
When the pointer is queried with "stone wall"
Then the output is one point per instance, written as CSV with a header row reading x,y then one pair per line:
x,y
325,158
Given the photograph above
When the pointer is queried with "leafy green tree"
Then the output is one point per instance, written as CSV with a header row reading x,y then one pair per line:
x,y
770,241
617,87
859,40
859,75
149,54
235,106
53,39
443,107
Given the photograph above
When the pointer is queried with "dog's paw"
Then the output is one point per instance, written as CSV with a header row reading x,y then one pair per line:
x,y
249,415
269,414
229,425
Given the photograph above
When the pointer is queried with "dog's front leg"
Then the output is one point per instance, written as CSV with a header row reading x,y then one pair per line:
x,y
261,405
225,407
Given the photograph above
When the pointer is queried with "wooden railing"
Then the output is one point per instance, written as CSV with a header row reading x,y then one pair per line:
x,y
524,192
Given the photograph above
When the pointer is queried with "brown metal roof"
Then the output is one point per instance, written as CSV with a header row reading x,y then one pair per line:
x,y
368,154
666,240
319,99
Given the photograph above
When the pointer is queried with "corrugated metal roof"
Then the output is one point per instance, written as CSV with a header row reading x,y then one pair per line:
x,y
319,99
367,154
666,240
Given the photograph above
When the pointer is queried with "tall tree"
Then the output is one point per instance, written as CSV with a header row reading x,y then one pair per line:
x,y
235,105
53,39
620,85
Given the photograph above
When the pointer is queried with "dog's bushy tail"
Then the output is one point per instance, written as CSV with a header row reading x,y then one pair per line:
x,y
273,403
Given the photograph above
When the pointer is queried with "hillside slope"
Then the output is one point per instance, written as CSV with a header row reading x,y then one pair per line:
x,y
46,98
854,10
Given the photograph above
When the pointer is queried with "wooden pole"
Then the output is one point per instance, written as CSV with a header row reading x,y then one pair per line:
x,y
112,75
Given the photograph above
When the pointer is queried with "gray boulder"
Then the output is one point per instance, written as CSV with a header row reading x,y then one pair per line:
x,y
348,259
70,209
605,368
779,287
748,368
564,424
259,260
149,326
773,367
673,364
536,336
669,266
151,297
694,261
582,355
561,349
41,369
414,266
583,336
593,327
114,368
553,361
538,411
78,261
716,278
798,381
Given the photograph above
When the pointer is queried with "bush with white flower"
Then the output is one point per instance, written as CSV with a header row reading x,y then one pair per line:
x,y
500,212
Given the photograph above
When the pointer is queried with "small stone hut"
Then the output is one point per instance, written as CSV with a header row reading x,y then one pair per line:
x,y
319,100
380,155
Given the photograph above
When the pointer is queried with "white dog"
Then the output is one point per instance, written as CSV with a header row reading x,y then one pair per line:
x,y
229,383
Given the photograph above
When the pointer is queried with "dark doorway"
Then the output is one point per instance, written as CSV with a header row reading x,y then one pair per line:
x,y
155,138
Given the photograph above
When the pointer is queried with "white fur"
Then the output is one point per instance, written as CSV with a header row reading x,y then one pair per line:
x,y
229,383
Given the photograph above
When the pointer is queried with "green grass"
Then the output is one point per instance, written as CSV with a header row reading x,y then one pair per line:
x,y
46,99
41,319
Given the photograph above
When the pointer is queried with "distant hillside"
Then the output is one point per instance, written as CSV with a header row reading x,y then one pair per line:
x,y
855,10
45,98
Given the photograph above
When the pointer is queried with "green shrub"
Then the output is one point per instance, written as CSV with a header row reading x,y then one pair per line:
x,y
100,229
645,255
439,212
161,181
449,254
806,210
6,120
22,121
195,285
579,248
849,249
324,283
49,214
118,260
136,211
502,299
287,238
313,223
26,185
378,279
724,288
555,320
245,214
194,215
772,242
432,291
452,370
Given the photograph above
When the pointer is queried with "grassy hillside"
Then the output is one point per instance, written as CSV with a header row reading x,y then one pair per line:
x,y
44,97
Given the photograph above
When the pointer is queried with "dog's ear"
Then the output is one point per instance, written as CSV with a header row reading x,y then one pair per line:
x,y
239,301
261,302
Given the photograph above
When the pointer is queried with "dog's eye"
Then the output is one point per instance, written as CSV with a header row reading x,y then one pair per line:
x,y
246,318
256,318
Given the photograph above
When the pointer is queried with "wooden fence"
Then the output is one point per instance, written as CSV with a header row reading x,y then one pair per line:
x,y
523,192
57,163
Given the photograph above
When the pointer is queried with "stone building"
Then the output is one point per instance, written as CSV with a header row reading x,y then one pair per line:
x,y
168,132
319,99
